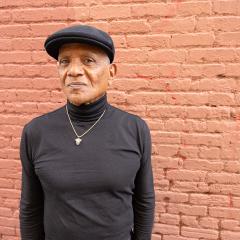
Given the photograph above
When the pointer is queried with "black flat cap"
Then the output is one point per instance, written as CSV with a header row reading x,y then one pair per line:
x,y
79,34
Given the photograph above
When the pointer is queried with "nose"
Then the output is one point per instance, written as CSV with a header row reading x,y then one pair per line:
x,y
75,69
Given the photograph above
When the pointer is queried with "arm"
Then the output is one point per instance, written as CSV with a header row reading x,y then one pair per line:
x,y
32,200
144,195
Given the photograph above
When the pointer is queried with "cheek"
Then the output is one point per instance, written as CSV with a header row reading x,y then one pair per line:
x,y
61,75
100,77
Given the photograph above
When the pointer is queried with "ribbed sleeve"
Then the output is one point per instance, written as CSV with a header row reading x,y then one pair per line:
x,y
31,202
144,195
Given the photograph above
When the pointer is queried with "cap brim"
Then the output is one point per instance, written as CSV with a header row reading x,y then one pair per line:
x,y
52,46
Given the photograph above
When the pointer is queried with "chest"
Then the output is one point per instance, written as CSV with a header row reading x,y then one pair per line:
x,y
104,161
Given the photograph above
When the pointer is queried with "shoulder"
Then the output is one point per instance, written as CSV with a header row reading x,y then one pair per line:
x,y
129,119
35,124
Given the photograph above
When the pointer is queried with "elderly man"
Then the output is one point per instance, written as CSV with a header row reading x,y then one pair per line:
x,y
86,166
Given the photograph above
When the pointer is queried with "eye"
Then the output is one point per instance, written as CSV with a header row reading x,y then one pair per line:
x,y
64,61
88,61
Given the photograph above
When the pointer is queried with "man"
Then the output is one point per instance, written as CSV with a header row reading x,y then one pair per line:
x,y
86,167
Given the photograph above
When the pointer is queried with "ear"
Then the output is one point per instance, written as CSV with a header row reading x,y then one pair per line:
x,y
113,70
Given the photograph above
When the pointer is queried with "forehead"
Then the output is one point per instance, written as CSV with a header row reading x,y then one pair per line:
x,y
72,48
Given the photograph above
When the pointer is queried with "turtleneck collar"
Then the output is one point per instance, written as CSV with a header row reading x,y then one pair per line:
x,y
87,112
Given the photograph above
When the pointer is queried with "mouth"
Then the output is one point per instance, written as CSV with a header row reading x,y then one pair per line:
x,y
76,85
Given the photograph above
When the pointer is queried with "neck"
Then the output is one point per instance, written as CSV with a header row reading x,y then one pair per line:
x,y
89,111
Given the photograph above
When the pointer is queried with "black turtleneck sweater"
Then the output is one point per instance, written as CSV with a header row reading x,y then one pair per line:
x,y
101,189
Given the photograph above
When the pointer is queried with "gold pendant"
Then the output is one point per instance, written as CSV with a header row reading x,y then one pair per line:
x,y
78,141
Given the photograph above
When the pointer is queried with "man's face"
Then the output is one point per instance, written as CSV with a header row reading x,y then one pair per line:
x,y
84,71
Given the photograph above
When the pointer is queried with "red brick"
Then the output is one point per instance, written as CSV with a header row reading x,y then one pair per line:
x,y
171,70
173,25
230,213
134,26
7,231
21,107
167,150
204,70
144,98
8,222
5,45
156,237
170,84
211,55
232,166
5,212
186,152
233,70
202,139
155,40
195,113
15,57
32,95
230,225
192,39
207,222
39,71
129,84
39,57
203,165
77,13
11,31
190,221
165,111
175,208
5,183
209,152
226,7
26,3
167,56
119,41
171,197
209,200
226,235
137,70
186,175
227,178
153,9
43,30
81,2
228,39
37,15
194,8
223,23
200,233
5,16
195,99
172,237
119,1
131,56
8,193
216,84
165,229
110,12
222,99
225,189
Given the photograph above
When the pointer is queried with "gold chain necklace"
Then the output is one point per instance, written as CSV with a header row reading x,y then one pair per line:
x,y
79,137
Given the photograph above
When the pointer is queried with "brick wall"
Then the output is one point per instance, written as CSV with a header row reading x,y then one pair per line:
x,y
178,68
